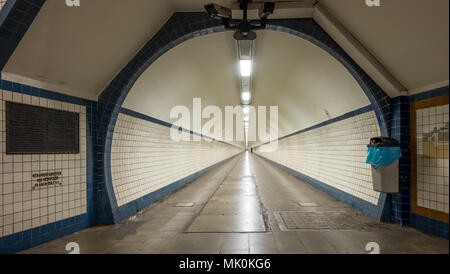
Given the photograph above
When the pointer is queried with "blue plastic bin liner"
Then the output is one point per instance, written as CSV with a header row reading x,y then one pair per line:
x,y
383,156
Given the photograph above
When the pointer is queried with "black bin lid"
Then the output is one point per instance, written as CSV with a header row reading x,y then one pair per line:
x,y
383,142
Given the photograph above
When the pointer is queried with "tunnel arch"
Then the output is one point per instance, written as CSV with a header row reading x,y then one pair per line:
x,y
180,28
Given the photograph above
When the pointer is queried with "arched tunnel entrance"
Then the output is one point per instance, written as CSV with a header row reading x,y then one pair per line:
x,y
115,94
244,198
145,176
222,92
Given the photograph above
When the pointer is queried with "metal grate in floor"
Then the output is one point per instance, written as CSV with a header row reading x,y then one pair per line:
x,y
326,220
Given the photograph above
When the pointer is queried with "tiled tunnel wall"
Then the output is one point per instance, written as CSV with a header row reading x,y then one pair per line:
x,y
144,158
398,204
28,216
24,207
179,28
332,156
415,206
428,165
432,158
31,217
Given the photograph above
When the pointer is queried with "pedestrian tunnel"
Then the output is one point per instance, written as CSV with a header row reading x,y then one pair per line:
x,y
154,118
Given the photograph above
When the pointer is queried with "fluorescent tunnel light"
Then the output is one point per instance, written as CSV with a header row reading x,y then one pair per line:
x,y
246,68
246,96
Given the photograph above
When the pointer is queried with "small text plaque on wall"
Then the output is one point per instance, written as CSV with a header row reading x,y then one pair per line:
x,y
45,179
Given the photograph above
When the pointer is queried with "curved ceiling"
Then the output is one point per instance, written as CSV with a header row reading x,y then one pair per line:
x,y
304,80
289,72
203,67
78,51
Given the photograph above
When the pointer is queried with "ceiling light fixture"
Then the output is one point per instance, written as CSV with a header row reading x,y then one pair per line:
x,y
246,96
246,68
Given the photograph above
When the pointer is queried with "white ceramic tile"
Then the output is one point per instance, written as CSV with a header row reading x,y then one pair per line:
x,y
18,201
145,159
334,154
432,168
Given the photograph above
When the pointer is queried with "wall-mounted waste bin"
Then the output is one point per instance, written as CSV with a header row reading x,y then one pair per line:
x,y
384,154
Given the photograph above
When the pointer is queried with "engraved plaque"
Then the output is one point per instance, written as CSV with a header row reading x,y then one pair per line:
x,y
38,130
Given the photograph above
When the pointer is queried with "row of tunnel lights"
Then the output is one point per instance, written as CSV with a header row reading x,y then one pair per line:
x,y
246,71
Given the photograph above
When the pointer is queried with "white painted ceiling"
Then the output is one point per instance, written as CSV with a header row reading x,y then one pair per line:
x,y
306,82
80,50
409,37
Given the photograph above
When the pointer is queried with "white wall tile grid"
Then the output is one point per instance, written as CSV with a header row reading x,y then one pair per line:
x,y
21,207
334,154
432,126
144,158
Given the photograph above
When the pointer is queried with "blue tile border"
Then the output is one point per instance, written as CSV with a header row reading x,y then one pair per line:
x,y
326,123
147,118
400,203
442,91
428,225
20,241
33,237
150,119
43,93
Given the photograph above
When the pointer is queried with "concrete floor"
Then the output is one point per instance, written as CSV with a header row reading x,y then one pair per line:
x,y
238,208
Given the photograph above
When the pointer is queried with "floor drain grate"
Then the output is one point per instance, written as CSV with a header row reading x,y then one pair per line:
x,y
297,220
184,205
